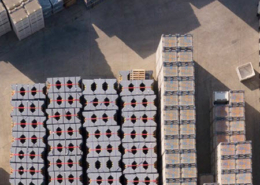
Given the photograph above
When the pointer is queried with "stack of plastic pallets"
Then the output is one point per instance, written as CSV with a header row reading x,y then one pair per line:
x,y
102,132
175,74
4,21
57,5
28,129
234,163
139,132
64,126
228,122
26,16
46,8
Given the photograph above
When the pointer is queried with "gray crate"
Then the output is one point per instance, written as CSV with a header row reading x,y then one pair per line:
x,y
103,165
104,178
139,135
68,131
99,118
136,87
100,86
139,150
27,155
70,178
100,102
103,149
65,147
28,124
140,165
142,179
28,139
139,119
138,103
103,134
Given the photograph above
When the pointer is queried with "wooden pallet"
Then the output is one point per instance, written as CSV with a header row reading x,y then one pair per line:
x,y
137,74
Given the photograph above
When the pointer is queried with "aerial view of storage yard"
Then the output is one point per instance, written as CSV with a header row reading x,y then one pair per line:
x,y
130,92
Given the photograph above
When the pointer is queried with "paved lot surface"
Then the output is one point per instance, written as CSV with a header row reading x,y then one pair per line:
x,y
119,35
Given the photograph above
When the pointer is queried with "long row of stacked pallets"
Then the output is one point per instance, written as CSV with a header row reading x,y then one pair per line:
x,y
28,149
175,74
139,130
68,131
231,153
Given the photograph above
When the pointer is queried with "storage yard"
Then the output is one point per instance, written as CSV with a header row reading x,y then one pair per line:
x,y
102,118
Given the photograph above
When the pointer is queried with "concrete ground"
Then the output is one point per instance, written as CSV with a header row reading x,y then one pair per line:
x,y
119,35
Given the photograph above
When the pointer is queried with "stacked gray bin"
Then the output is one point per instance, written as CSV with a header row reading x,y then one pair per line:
x,y
139,131
46,8
64,125
102,131
57,5
175,74
28,130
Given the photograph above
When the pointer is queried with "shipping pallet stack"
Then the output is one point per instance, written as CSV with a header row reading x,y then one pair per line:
x,y
64,126
228,128
26,16
175,74
46,8
103,158
139,131
28,150
4,20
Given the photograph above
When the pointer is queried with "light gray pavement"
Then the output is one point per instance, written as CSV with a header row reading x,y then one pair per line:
x,y
119,35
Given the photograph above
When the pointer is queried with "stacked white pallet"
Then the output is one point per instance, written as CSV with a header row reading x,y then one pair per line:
x,y
4,21
175,75
21,23
35,15
13,5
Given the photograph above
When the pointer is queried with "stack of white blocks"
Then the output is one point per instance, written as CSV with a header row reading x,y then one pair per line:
x,y
4,21
26,16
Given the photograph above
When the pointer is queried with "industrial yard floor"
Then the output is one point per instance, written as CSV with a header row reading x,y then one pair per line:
x,y
123,34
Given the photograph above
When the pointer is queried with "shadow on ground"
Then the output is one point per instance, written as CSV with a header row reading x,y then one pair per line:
x,y
205,85
4,176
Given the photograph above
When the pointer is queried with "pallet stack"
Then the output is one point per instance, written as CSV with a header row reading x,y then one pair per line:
x,y
46,8
103,140
139,131
234,163
26,17
57,5
4,20
28,130
64,126
175,74
227,133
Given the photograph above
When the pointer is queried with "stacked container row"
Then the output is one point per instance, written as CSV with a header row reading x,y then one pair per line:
x,y
175,74
26,17
103,155
28,149
65,129
139,131
4,20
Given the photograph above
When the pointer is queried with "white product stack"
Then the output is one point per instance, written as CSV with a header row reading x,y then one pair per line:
x,y
21,24
4,21
35,15
26,16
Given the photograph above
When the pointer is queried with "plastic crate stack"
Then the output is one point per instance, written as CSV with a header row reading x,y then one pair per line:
x,y
26,16
57,5
28,130
234,163
46,8
175,74
227,128
102,136
139,132
64,126
4,20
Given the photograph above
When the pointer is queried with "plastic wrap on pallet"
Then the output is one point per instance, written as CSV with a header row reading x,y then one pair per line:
x,y
139,150
64,84
65,177
28,124
46,8
68,131
65,163
99,86
103,134
134,179
103,165
185,41
103,149
139,119
237,97
139,103
65,147
139,134
185,56
140,165
99,118
64,100
62,116
100,102
104,178
136,87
